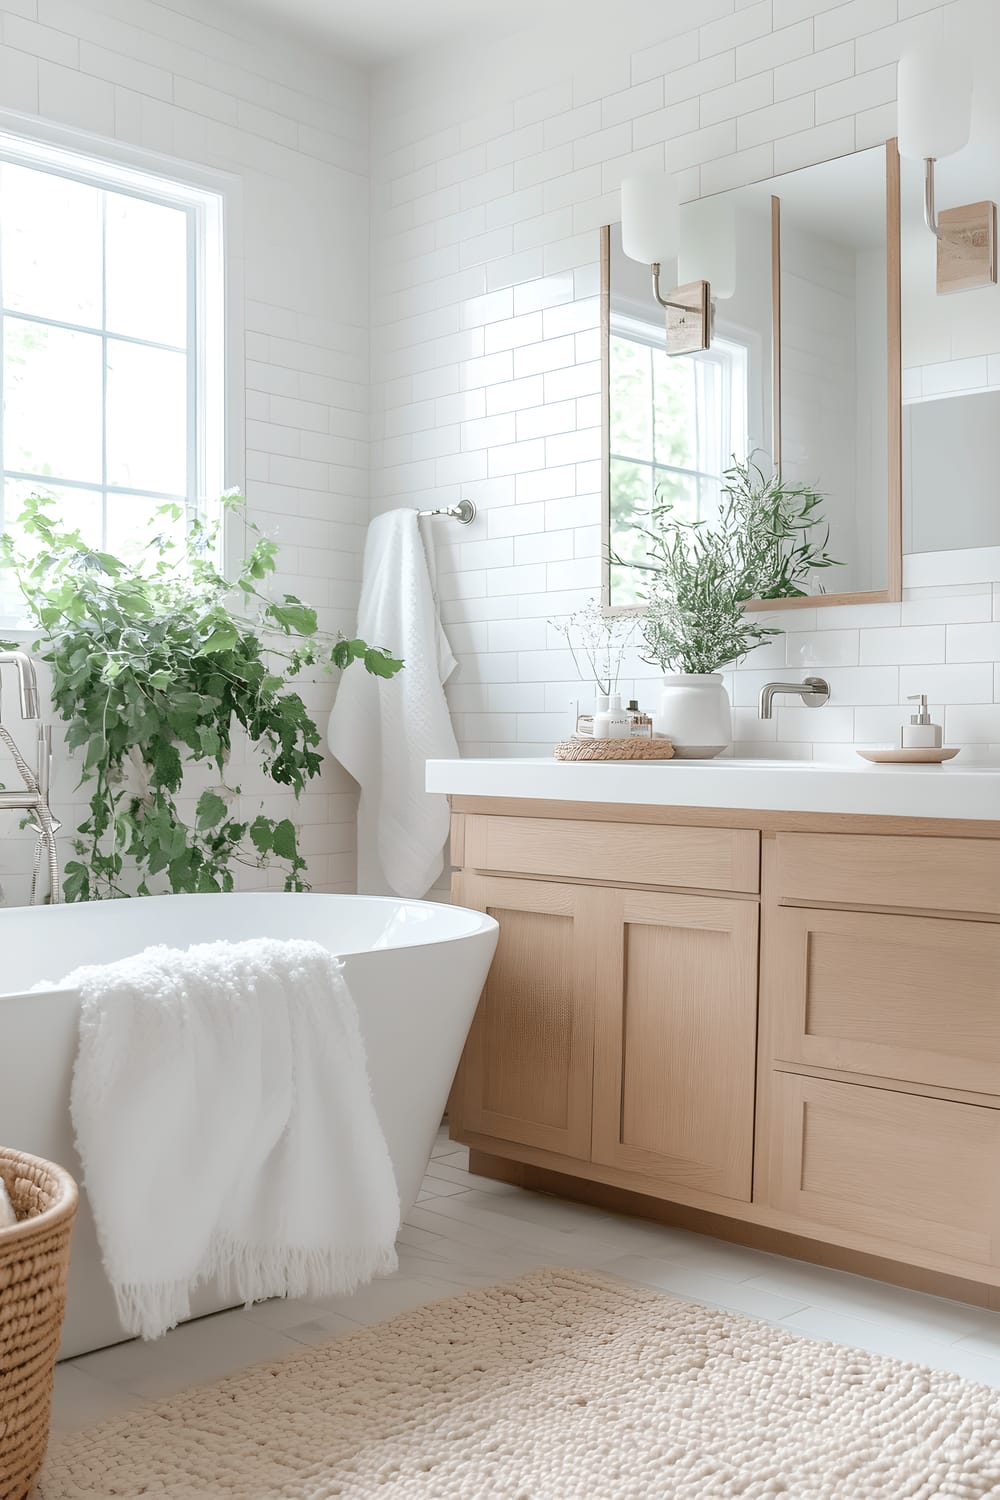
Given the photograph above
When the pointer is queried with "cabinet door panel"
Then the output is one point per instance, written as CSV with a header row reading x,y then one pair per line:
x,y
913,998
675,1041
913,1171
527,1072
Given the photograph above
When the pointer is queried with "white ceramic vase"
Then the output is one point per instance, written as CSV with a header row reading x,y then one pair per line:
x,y
695,714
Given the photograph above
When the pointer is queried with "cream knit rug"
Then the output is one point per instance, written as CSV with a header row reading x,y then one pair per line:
x,y
563,1385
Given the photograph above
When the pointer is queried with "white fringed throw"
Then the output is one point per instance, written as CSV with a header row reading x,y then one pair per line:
x,y
224,1118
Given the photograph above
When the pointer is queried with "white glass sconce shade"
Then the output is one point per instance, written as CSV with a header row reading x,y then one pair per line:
x,y
708,244
650,218
935,101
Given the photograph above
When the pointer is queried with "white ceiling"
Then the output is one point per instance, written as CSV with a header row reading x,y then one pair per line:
x,y
377,30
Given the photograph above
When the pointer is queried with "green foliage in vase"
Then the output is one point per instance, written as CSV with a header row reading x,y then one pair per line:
x,y
767,539
153,664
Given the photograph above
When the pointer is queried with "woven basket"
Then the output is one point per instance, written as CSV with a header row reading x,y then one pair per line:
x,y
34,1261
637,748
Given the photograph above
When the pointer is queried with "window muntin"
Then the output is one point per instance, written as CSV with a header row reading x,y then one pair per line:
x,y
112,336
675,424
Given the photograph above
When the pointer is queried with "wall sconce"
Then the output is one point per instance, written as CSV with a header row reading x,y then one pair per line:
x,y
650,233
935,120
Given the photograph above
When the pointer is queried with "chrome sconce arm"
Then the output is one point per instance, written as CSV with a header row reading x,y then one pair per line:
x,y
657,293
930,208
935,97
966,242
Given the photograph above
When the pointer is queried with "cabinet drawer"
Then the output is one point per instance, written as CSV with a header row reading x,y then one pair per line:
x,y
910,1172
712,859
848,869
913,998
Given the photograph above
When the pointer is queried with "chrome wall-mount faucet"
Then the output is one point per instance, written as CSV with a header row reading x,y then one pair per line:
x,y
34,800
814,692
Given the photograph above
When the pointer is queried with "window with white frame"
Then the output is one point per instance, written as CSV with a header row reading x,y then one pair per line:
x,y
112,336
675,424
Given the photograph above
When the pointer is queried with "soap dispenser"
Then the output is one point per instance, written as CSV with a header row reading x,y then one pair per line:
x,y
920,733
612,722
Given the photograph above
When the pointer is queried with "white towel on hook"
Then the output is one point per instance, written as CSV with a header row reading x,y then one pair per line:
x,y
225,1123
383,731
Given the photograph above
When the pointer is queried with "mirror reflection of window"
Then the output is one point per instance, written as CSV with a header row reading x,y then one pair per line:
x,y
675,424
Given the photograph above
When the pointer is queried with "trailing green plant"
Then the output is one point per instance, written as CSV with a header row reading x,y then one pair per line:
x,y
767,539
154,664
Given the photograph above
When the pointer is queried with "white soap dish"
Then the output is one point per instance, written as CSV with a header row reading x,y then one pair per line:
x,y
897,755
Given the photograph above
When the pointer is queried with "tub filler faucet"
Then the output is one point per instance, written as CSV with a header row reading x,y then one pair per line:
x,y
34,799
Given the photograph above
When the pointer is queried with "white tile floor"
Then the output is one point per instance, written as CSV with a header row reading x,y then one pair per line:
x,y
467,1231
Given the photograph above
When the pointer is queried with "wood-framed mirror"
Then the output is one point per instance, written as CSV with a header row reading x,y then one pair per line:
x,y
803,371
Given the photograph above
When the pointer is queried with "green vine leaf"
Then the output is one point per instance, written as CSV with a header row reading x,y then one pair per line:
x,y
283,840
262,835
378,662
294,617
211,809
222,638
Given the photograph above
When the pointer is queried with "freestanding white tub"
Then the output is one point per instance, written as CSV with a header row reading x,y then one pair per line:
x,y
415,969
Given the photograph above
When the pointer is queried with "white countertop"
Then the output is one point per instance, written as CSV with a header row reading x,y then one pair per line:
x,y
946,791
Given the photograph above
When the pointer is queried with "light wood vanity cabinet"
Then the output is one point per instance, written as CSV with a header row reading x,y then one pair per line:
x,y
788,1021
863,869
915,1171
617,1026
913,998
674,1025
526,1072
716,859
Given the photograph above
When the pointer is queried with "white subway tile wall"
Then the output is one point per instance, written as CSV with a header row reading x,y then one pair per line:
x,y
731,92
204,84
470,358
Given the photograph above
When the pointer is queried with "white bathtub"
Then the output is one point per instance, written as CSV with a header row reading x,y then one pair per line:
x,y
415,970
